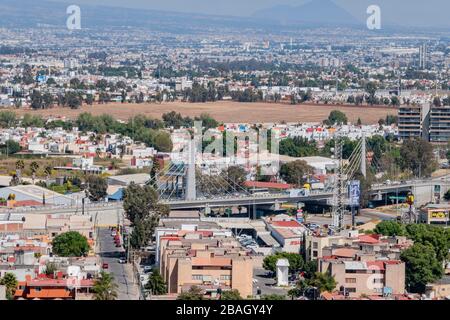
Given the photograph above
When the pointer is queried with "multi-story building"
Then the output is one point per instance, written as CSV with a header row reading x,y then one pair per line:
x,y
439,124
210,259
413,122
372,246
356,277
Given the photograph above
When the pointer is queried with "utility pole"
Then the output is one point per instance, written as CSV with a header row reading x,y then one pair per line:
x,y
339,186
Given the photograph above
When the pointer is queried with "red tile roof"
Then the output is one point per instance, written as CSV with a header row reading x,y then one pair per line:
x,y
286,224
269,185
366,238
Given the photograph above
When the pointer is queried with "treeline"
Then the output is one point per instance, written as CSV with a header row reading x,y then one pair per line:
x,y
139,128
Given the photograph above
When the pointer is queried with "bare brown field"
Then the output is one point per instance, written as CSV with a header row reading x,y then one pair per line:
x,y
225,111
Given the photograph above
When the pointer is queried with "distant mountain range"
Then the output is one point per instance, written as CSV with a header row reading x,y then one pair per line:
x,y
29,13
319,12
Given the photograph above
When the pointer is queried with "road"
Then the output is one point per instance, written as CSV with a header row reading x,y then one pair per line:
x,y
123,274
266,284
375,214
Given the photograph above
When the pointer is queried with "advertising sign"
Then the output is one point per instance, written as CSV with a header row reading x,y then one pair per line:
x,y
354,192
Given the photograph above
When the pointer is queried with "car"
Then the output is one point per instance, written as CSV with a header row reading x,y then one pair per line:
x,y
105,265
122,261
147,269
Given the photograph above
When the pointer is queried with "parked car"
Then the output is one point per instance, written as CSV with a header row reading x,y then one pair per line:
x,y
122,261
105,265
147,269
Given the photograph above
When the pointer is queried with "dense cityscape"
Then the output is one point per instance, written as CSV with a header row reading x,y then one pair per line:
x,y
221,159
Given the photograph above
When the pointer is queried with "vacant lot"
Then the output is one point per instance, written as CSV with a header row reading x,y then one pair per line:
x,y
227,111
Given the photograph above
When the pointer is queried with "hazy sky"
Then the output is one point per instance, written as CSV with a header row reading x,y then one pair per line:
x,y
402,12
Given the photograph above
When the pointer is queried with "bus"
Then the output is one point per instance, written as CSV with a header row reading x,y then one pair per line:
x,y
259,191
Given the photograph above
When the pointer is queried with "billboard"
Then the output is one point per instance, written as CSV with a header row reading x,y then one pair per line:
x,y
354,192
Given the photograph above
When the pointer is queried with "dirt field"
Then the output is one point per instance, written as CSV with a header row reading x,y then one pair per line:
x,y
227,111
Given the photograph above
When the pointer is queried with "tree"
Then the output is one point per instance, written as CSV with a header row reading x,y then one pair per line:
x,y
34,167
417,156
322,281
32,121
348,146
336,117
20,165
371,89
235,176
295,172
435,236
9,280
273,296
7,119
309,268
97,187
447,195
104,287
207,121
156,284
162,142
176,120
318,281
50,269
194,293
73,100
47,100
390,228
230,295
422,266
36,100
70,244
143,210
295,261
10,147
298,147
48,171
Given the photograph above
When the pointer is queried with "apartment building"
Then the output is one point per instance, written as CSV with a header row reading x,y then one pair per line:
x,y
373,246
413,121
209,259
356,278
439,124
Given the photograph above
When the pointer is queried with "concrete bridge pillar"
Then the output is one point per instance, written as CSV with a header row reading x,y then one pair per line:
x,y
191,188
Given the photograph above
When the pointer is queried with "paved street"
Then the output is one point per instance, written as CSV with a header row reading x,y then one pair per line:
x,y
123,275
321,220
374,214
265,283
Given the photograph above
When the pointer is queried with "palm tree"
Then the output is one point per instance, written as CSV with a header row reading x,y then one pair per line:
x,y
10,282
156,284
48,172
20,165
104,287
34,166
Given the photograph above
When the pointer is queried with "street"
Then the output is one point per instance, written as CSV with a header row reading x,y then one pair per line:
x,y
266,283
123,275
